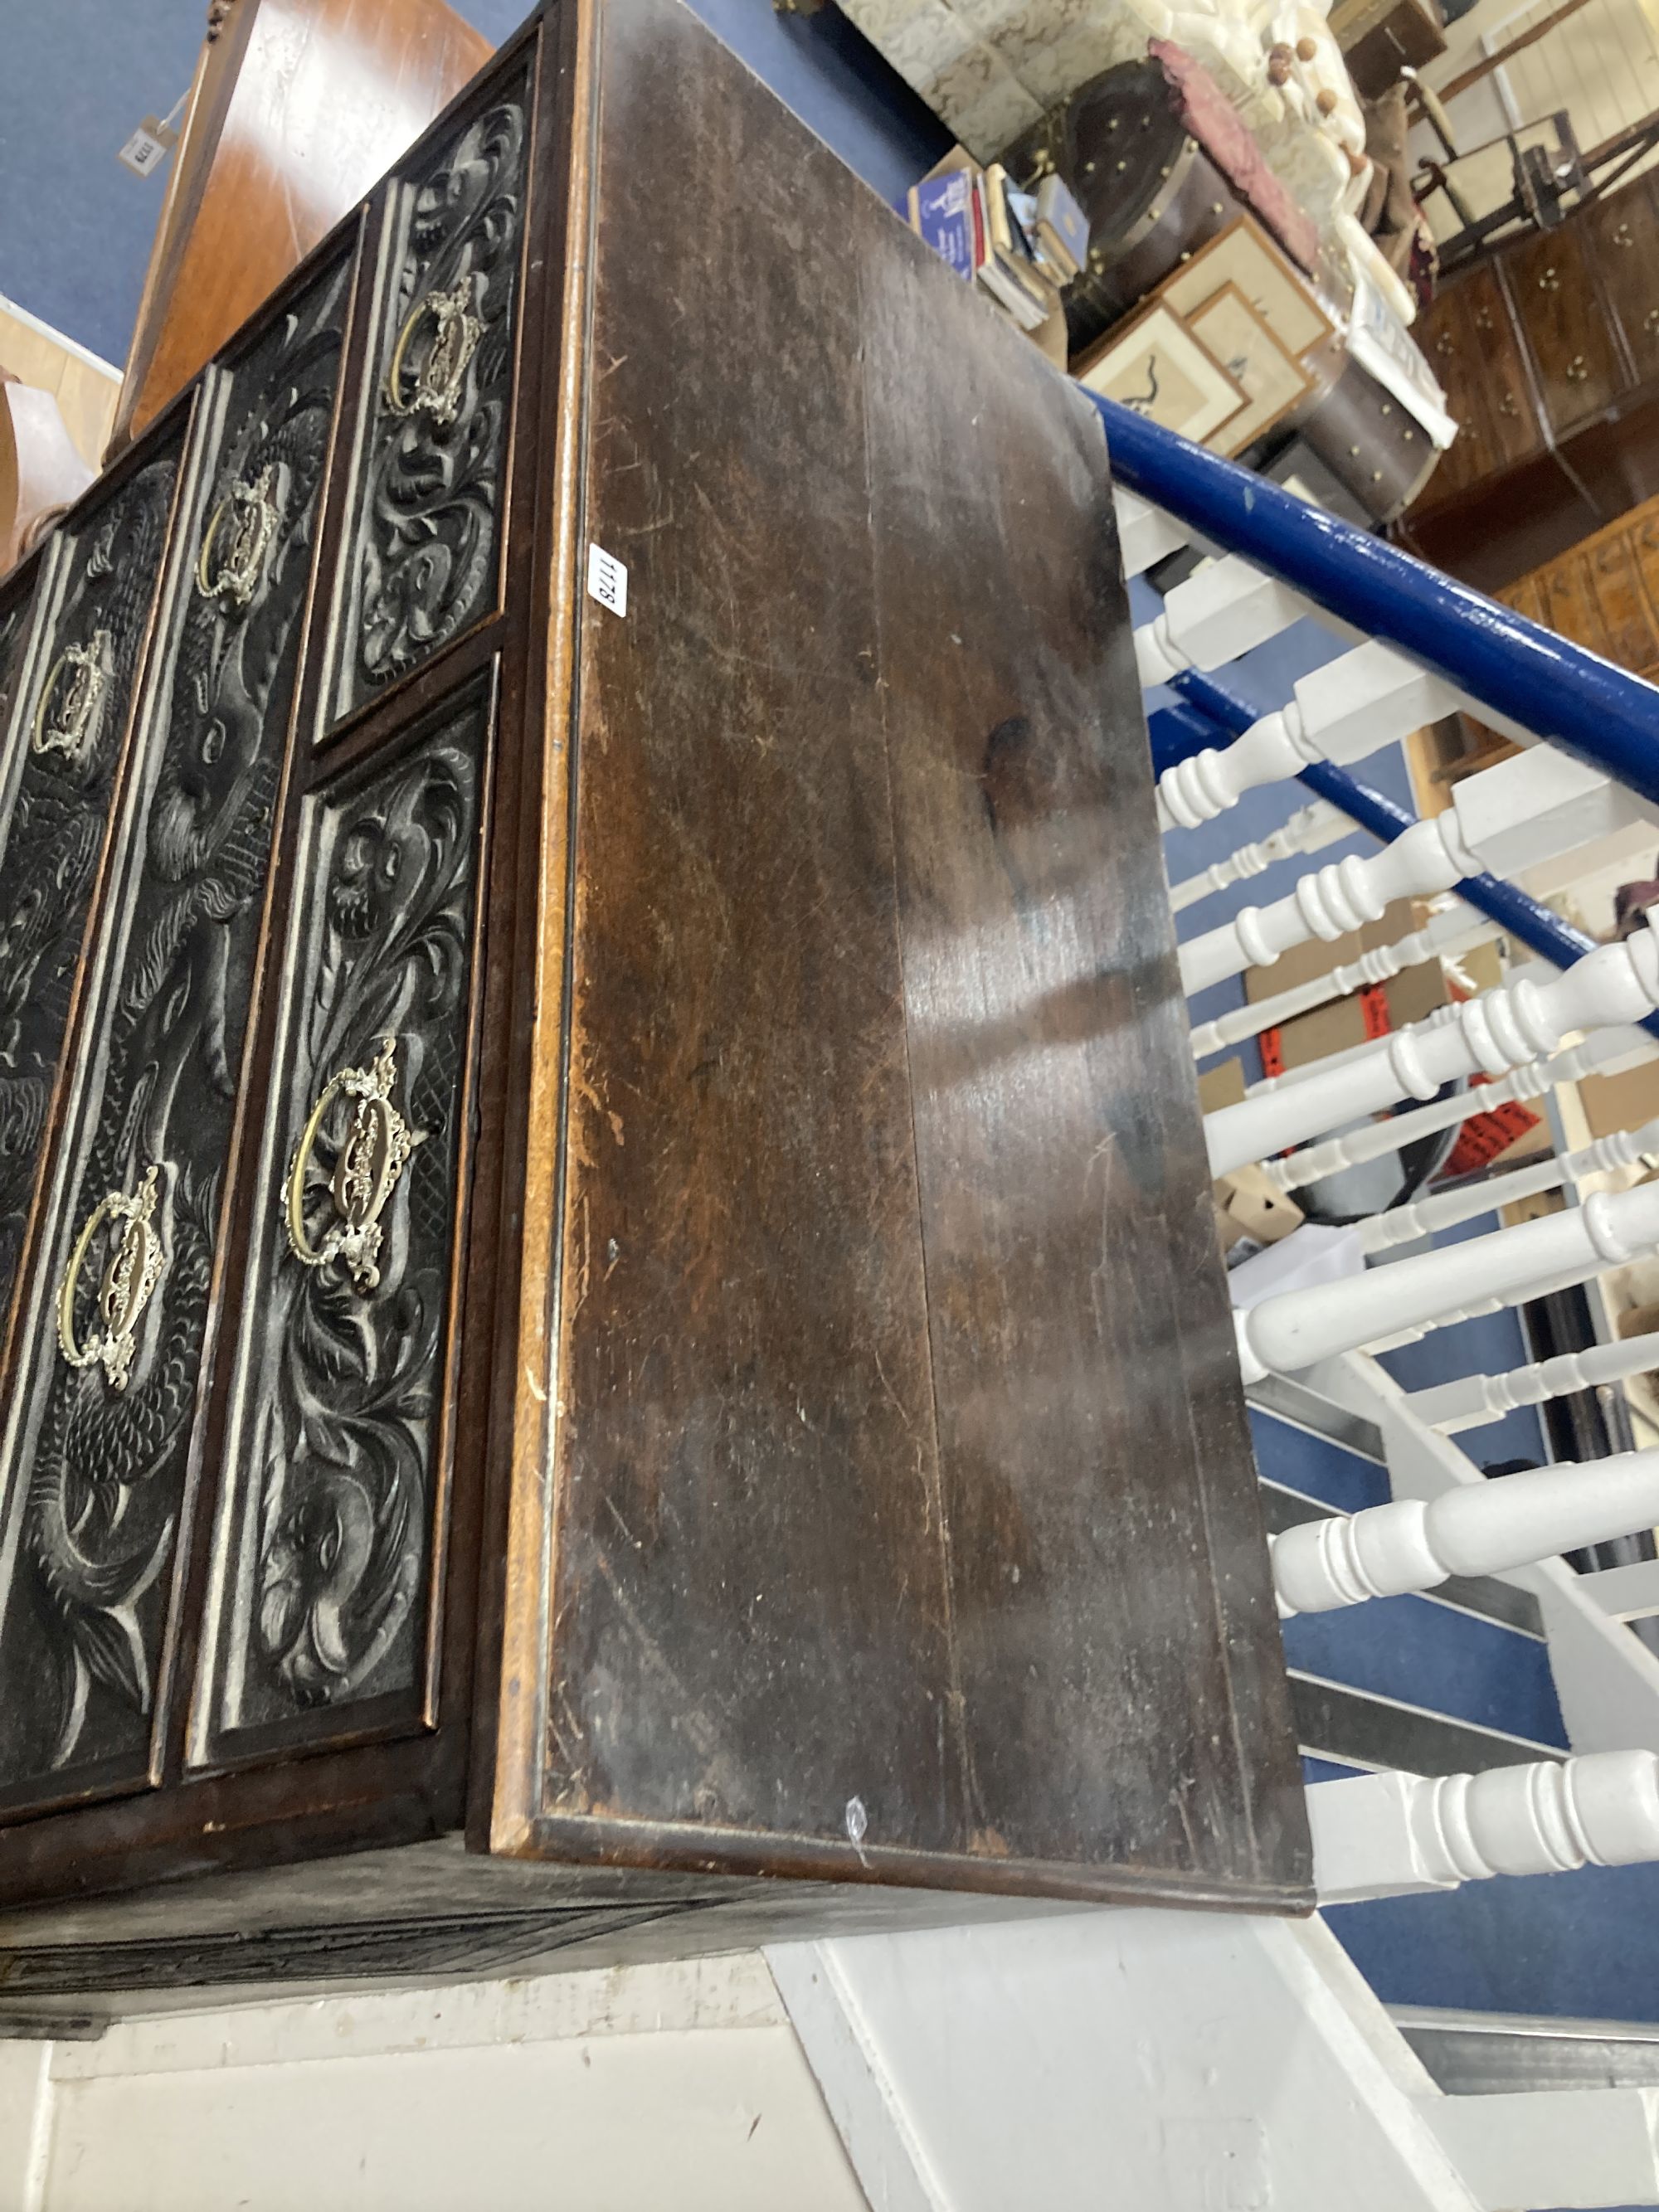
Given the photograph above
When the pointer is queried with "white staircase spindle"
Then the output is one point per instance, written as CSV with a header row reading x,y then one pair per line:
x,y
1496,1033
1342,712
1388,1835
1611,1052
1226,609
1471,1400
1479,1529
1444,936
1404,1224
1308,830
1145,534
1297,1327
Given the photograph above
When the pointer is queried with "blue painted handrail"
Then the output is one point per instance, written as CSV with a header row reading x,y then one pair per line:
x,y
1546,683
1208,713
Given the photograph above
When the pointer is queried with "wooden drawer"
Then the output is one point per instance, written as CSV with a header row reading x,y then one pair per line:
x,y
1564,321
1626,609
1623,232
1469,341
560,1319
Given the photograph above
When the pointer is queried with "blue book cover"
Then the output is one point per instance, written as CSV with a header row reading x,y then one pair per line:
x,y
941,213
1057,207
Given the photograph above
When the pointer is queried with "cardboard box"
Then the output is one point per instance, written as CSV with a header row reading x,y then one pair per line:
x,y
1251,1213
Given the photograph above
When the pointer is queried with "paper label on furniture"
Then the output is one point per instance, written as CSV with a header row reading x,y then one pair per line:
x,y
607,580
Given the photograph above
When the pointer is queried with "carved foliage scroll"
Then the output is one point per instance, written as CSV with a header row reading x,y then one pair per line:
x,y
60,760
98,1456
332,1470
424,552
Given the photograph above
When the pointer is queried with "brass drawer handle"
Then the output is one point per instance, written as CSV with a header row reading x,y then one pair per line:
x,y
1550,281
442,376
253,511
1578,372
375,1152
1650,320
1622,236
1506,405
133,1271
64,724
1443,346
1483,319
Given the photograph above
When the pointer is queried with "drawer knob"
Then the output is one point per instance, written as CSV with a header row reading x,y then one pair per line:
x,y
247,516
1483,319
1549,282
1650,320
1506,405
1443,346
1577,370
67,712
439,376
134,1268
373,1155
1622,235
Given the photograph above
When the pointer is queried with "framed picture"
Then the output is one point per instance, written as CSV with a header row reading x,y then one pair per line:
x,y
1160,369
1244,255
1273,381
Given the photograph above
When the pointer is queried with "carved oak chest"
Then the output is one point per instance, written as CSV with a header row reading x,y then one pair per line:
x,y
611,1331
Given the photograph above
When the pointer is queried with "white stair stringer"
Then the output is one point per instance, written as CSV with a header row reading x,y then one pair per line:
x,y
1607,1681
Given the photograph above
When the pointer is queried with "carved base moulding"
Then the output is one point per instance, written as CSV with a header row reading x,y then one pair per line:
x,y
611,1343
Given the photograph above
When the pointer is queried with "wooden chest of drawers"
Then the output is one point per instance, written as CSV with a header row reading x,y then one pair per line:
x,y
1549,353
607,1259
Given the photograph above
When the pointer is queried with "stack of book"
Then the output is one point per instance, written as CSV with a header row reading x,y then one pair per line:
x,y
1023,247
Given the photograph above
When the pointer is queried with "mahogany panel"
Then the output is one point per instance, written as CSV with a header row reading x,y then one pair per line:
x,y
297,113
1624,235
1569,334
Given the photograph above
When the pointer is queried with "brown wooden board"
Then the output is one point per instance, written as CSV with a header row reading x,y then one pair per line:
x,y
903,1523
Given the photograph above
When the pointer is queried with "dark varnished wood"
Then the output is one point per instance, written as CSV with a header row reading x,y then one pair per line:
x,y
880,1248
831,1465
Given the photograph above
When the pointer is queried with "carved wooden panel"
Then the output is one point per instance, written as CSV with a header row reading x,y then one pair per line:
x,y
59,771
333,1471
423,554
106,1386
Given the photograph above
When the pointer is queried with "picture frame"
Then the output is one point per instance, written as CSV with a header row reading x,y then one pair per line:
x,y
1157,367
1244,255
1273,381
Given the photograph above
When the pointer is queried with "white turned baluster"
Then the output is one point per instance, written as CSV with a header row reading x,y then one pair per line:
x,y
1298,1328
1145,534
1542,1286
1472,1400
1403,1225
1480,1529
1343,713
1387,1835
1308,830
1226,609
1496,1033
1446,935
1611,1052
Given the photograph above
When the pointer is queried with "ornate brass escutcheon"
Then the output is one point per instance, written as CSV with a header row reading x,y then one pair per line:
x,y
134,1269
63,718
375,1152
442,376
247,516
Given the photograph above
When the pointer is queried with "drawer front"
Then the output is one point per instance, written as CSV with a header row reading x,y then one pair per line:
x,y
1470,343
1624,232
1566,327
1571,606
1633,633
69,725
422,557
106,1385
332,1505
